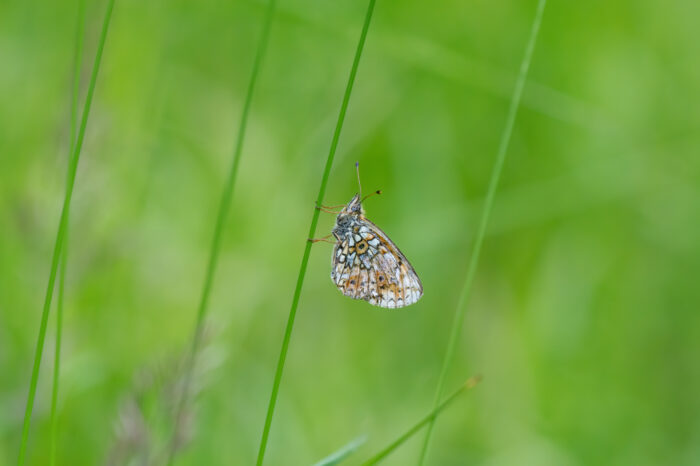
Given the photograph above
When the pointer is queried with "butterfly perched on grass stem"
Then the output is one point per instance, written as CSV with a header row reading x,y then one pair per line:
x,y
366,264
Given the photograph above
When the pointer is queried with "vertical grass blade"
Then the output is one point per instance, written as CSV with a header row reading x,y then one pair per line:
x,y
58,245
77,62
470,383
222,214
57,355
312,232
486,213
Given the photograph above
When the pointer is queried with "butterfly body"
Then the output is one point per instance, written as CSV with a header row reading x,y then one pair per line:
x,y
367,265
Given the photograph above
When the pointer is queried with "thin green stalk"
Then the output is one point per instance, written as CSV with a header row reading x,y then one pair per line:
x,y
58,245
312,232
470,383
57,355
486,213
338,456
224,206
77,62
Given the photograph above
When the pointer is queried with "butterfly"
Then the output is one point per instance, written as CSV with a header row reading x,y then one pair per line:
x,y
366,264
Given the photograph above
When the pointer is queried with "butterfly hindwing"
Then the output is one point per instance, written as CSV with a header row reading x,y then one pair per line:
x,y
367,265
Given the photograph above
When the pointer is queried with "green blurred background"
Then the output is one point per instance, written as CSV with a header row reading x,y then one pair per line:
x,y
584,318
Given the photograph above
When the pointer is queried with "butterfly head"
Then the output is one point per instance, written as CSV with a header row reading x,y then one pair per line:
x,y
352,212
354,207
349,215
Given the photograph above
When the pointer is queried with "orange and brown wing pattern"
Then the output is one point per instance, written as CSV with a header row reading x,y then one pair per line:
x,y
367,265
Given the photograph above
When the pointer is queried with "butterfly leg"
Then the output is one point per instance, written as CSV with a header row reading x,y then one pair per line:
x,y
324,239
323,209
329,208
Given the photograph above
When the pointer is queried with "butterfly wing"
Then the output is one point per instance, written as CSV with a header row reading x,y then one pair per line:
x,y
368,265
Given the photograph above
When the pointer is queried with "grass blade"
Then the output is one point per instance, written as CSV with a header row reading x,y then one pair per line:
x,y
63,223
77,62
312,232
57,356
470,383
222,214
486,213
339,455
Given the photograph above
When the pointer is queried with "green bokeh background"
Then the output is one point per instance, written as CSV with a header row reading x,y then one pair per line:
x,y
584,315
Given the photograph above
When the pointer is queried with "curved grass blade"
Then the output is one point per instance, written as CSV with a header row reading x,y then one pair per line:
x,y
335,458
312,232
77,62
224,206
486,213
63,223
470,383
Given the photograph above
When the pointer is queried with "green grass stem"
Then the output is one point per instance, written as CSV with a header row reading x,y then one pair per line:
x,y
312,232
77,62
470,383
339,455
224,206
62,226
57,355
486,213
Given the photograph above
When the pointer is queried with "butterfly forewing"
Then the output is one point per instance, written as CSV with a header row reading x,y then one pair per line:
x,y
367,265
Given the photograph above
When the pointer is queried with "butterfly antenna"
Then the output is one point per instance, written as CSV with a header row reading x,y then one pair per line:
x,y
357,169
379,191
